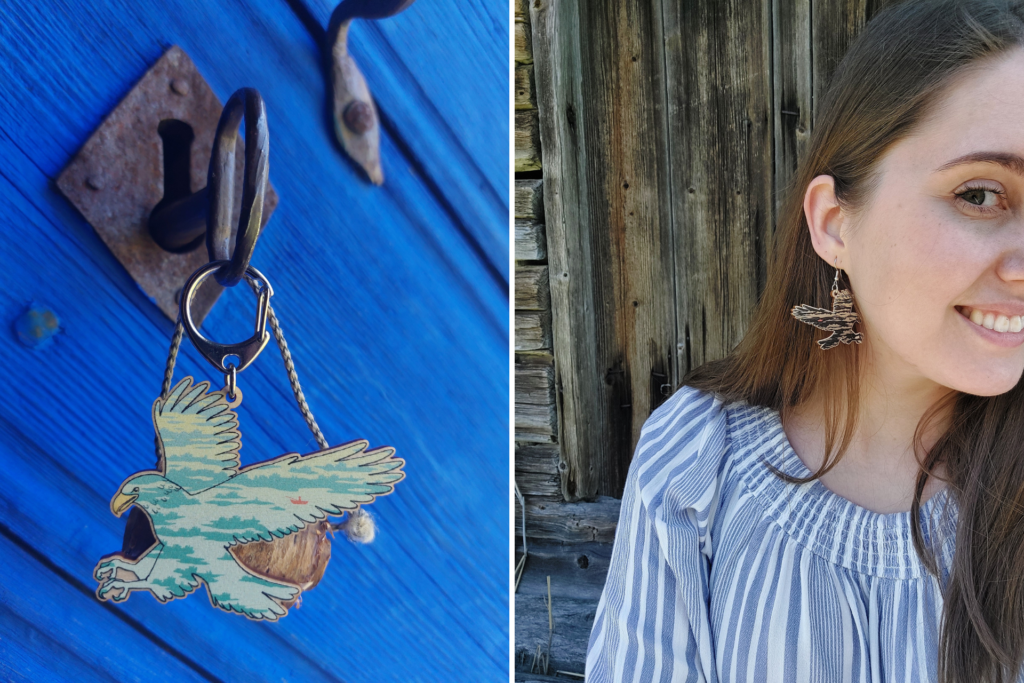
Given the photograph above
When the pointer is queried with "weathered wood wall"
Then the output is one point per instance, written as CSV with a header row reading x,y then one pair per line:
x,y
669,132
378,290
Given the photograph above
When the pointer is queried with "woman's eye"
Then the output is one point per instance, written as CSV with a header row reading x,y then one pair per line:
x,y
983,199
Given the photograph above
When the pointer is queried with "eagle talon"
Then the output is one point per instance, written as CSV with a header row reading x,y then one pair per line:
x,y
108,568
108,586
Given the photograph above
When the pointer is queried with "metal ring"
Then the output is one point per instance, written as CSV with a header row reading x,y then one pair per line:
x,y
221,183
236,401
212,351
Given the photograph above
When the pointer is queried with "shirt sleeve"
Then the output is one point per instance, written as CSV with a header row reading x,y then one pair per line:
x,y
652,620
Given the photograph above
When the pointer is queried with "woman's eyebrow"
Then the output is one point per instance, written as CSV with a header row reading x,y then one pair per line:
x,y
1008,160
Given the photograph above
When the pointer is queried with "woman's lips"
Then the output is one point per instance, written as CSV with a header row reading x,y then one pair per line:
x,y
1001,330
992,320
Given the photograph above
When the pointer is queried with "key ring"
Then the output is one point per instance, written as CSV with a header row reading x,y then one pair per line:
x,y
215,352
221,180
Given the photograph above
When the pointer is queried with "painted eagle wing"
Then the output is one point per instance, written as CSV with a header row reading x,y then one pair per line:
x,y
822,318
274,498
197,435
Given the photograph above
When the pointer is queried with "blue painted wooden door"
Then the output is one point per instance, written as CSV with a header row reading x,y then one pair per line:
x,y
394,300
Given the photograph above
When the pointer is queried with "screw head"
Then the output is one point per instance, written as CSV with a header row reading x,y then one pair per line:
x,y
358,117
94,182
180,86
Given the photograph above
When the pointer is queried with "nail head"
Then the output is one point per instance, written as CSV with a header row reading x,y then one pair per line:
x,y
358,117
36,326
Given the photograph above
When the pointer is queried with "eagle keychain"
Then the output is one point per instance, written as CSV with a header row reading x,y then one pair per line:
x,y
202,506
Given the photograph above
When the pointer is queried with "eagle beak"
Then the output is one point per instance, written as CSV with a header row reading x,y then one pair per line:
x,y
121,503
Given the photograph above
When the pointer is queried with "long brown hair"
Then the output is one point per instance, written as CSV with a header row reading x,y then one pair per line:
x,y
903,61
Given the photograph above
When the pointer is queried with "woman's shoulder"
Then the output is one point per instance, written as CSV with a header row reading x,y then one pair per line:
x,y
683,447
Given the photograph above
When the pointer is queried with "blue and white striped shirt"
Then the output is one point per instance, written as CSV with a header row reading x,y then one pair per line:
x,y
721,571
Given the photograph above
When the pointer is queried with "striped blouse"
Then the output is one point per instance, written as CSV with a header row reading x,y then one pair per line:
x,y
721,571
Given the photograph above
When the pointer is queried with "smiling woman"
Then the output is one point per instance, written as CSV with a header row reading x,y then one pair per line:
x,y
800,514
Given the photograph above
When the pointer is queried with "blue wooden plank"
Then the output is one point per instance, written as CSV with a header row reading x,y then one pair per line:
x,y
446,94
399,331
51,631
28,656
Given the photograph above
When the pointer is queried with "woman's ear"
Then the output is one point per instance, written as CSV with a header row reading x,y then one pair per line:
x,y
825,219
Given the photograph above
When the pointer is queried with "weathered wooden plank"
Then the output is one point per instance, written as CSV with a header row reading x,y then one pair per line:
x,y
791,104
535,423
577,574
580,522
537,458
609,240
523,88
523,42
522,659
536,472
719,98
528,155
535,414
522,10
546,487
534,377
554,27
532,290
529,202
531,243
533,330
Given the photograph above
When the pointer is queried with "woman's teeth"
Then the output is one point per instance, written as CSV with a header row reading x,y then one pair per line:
x,y
991,321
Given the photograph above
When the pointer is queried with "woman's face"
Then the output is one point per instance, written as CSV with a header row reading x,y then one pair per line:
x,y
943,234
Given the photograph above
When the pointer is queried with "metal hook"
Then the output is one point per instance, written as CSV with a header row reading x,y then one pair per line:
x,y
217,353
179,226
353,111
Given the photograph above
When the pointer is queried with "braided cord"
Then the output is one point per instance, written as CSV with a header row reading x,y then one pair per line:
x,y
293,379
172,358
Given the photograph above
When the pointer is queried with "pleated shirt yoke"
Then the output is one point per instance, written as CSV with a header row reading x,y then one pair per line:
x,y
722,571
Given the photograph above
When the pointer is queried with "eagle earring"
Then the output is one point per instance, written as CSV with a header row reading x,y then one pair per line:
x,y
839,321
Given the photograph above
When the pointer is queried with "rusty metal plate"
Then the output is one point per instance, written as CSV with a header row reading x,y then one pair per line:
x,y
117,178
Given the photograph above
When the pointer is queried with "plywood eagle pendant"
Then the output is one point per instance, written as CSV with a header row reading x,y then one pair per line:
x,y
200,502
839,321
